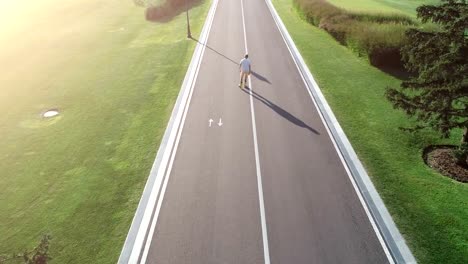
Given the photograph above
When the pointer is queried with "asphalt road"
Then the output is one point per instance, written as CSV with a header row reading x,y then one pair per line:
x,y
261,186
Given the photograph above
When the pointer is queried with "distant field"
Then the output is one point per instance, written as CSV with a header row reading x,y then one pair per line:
x,y
114,78
430,210
407,7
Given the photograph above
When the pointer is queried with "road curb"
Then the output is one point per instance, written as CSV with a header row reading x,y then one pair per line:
x,y
387,228
137,234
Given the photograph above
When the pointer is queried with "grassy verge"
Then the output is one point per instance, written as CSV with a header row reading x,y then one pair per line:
x,y
407,7
377,36
114,77
429,209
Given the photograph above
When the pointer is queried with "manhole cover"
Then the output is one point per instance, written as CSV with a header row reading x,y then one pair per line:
x,y
50,113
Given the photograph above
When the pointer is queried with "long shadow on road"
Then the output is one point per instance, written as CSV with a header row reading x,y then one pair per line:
x,y
215,51
285,114
255,74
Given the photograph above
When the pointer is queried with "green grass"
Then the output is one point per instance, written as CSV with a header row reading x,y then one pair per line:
x,y
115,78
407,7
430,210
377,36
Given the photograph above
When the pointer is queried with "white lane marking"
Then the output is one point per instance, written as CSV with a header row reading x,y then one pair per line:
x,y
168,172
243,25
210,121
155,189
220,123
266,251
356,189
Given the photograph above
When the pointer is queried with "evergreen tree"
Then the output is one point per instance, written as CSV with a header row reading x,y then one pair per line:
x,y
437,94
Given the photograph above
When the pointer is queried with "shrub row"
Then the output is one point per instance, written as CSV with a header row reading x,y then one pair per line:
x,y
377,36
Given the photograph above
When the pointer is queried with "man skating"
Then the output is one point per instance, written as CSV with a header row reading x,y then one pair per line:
x,y
245,69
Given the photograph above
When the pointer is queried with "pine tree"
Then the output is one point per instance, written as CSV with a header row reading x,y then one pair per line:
x,y
437,94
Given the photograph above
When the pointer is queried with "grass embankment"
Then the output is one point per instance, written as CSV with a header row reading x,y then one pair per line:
x,y
114,77
377,36
407,7
430,210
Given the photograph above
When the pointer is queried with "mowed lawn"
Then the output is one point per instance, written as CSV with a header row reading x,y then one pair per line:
x,y
407,7
430,210
114,78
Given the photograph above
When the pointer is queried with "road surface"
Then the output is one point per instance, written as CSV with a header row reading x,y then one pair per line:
x,y
256,177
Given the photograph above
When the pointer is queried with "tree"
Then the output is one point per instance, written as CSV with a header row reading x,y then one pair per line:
x,y
437,94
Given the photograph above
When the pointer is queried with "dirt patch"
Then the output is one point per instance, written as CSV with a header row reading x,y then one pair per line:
x,y
441,159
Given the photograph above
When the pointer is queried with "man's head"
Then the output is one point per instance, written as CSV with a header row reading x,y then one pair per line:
x,y
246,56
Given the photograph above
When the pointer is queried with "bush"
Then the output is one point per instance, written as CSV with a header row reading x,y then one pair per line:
x,y
39,255
168,10
377,36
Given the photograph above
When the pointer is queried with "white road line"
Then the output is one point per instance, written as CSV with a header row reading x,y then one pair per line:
x,y
243,25
353,182
166,180
159,191
159,170
266,250
168,173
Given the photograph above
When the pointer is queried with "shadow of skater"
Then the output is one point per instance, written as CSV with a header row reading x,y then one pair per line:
x,y
215,51
260,77
285,114
168,10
